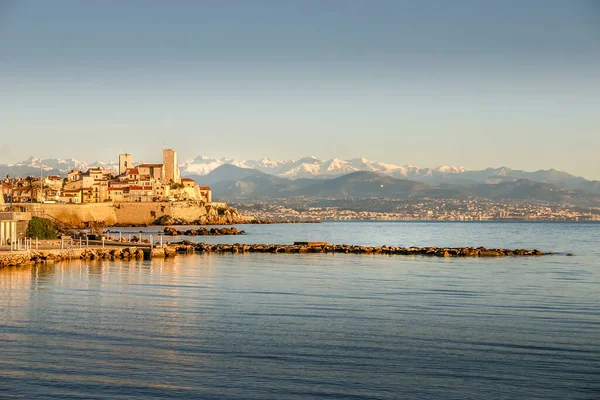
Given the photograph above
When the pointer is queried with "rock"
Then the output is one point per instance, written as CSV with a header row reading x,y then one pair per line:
x,y
165,220
116,253
170,252
157,253
489,253
169,231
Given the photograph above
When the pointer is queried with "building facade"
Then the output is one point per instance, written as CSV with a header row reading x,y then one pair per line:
x,y
171,166
125,162
155,171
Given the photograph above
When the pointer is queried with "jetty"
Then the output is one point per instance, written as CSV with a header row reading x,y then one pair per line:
x,y
131,251
323,247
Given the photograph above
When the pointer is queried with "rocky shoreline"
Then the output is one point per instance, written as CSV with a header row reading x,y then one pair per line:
x,y
170,231
274,221
186,247
183,222
189,247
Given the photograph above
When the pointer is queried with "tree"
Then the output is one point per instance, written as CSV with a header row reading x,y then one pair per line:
x,y
41,228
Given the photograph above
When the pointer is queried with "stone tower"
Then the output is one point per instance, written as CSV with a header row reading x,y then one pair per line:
x,y
171,167
125,162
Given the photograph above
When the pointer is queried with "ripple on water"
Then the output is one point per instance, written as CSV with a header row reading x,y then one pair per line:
x,y
315,326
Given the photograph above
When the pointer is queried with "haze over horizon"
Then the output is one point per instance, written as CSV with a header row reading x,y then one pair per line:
x,y
466,83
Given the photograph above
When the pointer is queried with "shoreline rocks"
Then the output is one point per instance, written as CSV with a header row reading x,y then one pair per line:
x,y
187,247
353,249
166,220
170,231
272,221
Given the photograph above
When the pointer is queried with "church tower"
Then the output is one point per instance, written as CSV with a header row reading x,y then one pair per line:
x,y
125,162
171,167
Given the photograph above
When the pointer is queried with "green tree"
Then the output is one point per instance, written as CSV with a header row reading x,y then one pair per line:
x,y
41,228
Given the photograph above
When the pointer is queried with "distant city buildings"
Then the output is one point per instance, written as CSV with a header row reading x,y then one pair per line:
x,y
432,209
133,183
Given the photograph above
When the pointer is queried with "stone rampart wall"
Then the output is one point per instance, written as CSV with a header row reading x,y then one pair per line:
x,y
77,215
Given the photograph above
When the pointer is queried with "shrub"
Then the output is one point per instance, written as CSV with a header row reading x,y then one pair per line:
x,y
41,228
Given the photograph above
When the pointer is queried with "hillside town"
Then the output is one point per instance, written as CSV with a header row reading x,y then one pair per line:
x,y
476,209
144,182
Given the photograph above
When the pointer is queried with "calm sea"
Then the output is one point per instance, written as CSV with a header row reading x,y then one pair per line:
x,y
263,326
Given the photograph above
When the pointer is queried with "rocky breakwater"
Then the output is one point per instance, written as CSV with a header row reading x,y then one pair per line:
x,y
54,256
33,257
350,249
204,215
169,231
10,259
172,249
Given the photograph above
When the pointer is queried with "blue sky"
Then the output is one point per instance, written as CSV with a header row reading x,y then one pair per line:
x,y
472,83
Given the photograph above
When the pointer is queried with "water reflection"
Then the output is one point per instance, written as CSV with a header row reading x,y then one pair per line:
x,y
265,326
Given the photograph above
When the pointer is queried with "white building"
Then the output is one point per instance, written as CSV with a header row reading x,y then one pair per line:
x,y
13,226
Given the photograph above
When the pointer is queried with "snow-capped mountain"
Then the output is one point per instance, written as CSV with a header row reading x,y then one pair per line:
x,y
312,167
307,167
50,166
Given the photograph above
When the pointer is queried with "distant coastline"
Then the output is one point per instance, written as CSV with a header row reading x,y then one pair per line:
x,y
503,220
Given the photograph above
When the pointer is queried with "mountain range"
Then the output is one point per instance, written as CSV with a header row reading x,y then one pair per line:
x,y
311,168
232,182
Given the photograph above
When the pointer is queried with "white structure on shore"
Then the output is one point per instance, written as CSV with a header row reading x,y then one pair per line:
x,y
12,226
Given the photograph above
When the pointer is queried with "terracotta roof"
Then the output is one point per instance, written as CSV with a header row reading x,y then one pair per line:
x,y
204,187
150,165
132,171
186,180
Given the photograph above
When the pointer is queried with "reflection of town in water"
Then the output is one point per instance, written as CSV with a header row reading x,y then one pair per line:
x,y
100,312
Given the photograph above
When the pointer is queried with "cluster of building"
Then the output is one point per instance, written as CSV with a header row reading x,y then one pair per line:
x,y
131,183
431,209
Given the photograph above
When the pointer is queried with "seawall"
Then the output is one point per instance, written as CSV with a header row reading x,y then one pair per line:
x,y
51,256
170,250
78,215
